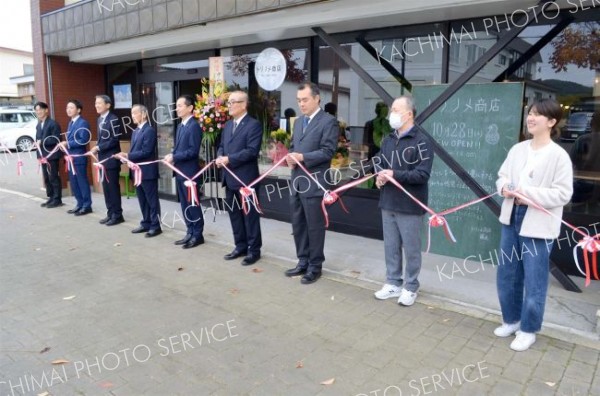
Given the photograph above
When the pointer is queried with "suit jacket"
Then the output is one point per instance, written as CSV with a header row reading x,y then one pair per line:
x,y
108,140
143,149
242,148
187,148
49,136
78,137
317,143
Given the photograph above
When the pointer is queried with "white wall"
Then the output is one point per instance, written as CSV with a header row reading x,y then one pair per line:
x,y
11,65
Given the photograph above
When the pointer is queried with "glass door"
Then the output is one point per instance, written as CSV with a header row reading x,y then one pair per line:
x,y
160,100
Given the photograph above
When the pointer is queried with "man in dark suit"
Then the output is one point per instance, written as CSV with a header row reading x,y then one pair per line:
x,y
239,148
78,137
109,128
143,149
185,158
313,144
47,135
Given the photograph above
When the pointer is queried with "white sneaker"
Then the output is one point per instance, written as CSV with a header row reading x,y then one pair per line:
x,y
407,298
507,329
522,341
388,291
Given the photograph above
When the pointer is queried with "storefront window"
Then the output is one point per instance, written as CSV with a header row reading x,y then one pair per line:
x,y
567,69
274,109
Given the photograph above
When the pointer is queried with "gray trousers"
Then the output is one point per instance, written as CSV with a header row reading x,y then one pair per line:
x,y
402,231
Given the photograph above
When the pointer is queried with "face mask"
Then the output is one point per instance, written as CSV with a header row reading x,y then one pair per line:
x,y
396,120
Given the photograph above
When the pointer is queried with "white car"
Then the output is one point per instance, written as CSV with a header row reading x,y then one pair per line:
x,y
19,138
13,118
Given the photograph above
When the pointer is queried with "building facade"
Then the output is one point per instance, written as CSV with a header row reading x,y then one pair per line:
x,y
460,53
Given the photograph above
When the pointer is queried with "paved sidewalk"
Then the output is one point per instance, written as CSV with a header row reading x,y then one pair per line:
x,y
134,316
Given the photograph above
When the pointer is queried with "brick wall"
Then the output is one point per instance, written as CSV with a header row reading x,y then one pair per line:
x,y
69,80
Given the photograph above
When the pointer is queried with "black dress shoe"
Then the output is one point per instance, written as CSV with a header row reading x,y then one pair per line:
x,y
139,230
74,210
115,221
310,277
250,259
104,220
54,204
82,212
296,271
184,240
193,242
234,254
43,205
153,233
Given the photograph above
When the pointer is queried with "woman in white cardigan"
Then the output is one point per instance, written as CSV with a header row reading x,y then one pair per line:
x,y
540,170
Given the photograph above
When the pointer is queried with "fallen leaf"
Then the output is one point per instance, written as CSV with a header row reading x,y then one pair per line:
x,y
117,244
355,273
45,350
330,381
180,269
550,383
446,320
299,364
430,307
257,270
60,361
234,291
106,385
43,394
68,298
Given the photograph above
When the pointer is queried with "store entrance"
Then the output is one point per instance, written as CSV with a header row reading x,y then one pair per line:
x,y
160,98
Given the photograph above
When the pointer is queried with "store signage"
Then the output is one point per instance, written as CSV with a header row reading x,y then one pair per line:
x,y
270,69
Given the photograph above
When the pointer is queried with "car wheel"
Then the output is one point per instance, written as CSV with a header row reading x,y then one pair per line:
x,y
24,143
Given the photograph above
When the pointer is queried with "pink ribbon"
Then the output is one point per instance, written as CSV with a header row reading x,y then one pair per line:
x,y
435,220
19,167
331,197
588,244
189,182
247,193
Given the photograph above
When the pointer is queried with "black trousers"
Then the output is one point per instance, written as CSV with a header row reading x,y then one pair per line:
x,y
192,215
246,228
147,194
112,194
308,225
52,181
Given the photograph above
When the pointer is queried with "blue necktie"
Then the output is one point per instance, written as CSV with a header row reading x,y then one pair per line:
x,y
305,121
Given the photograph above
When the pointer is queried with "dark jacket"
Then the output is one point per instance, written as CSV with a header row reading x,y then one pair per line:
x,y
49,137
411,158
242,148
143,149
317,143
187,148
78,137
108,140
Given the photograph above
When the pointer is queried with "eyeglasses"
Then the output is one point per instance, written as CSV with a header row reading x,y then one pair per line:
x,y
232,102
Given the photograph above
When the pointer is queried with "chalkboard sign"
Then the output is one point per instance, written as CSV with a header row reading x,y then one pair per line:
x,y
477,126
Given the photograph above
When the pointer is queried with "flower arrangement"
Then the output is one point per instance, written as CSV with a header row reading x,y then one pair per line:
x,y
211,109
281,136
280,142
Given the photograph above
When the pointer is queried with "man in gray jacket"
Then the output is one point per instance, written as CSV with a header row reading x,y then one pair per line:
x,y
313,144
